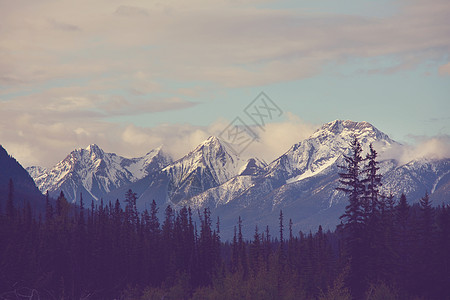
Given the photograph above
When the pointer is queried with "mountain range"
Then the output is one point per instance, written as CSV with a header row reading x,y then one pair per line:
x,y
301,182
94,173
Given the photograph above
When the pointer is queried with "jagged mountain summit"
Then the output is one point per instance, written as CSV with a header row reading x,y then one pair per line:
x,y
317,155
302,182
323,149
253,166
95,173
209,165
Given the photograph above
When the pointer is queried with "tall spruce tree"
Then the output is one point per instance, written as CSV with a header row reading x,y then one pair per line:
x,y
255,252
131,212
353,218
242,250
374,237
281,254
426,248
372,181
403,241
443,249
352,185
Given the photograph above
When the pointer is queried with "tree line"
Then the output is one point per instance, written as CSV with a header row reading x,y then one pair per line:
x,y
388,242
383,249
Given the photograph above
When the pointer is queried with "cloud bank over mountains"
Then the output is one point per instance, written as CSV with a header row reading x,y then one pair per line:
x,y
85,70
437,147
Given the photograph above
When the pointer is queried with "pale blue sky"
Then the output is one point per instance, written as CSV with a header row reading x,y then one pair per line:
x,y
131,75
400,104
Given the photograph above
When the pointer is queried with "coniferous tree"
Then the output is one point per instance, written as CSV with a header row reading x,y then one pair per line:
x,y
352,185
443,249
255,252
427,217
425,248
403,241
383,248
402,213
131,212
107,253
267,248
374,231
205,247
234,253
62,207
353,218
291,244
168,244
48,208
372,180
281,254
242,250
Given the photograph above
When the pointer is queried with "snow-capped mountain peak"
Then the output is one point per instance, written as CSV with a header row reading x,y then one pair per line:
x,y
94,150
210,164
302,181
214,148
253,166
212,156
364,131
324,149
153,153
95,173
211,141
150,162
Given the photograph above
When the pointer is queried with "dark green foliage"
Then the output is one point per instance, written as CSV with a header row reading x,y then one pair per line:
x,y
385,242
355,217
71,254
393,250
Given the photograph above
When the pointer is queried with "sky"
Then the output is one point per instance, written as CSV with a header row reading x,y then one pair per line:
x,y
133,75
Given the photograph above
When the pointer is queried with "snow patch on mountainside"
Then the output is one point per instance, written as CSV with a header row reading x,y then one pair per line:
x,y
313,171
433,189
302,181
213,156
210,164
323,148
94,172
253,166
220,195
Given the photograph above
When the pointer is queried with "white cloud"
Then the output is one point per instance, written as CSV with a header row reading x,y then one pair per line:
x,y
220,41
81,61
38,141
43,145
437,147
277,138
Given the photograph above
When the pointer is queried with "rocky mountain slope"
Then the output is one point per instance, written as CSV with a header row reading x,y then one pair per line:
x,y
95,173
301,182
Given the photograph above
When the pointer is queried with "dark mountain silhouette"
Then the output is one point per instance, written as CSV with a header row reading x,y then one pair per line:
x,y
24,187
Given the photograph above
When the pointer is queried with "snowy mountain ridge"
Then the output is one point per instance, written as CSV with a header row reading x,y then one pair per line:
x,y
324,148
302,182
212,155
95,173
209,165
320,153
